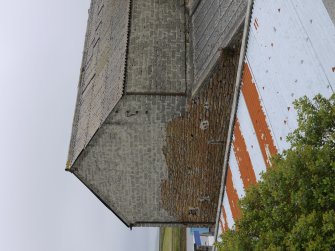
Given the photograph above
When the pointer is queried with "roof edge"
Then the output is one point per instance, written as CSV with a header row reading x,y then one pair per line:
x,y
72,158
234,110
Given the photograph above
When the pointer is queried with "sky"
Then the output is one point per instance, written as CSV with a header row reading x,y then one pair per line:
x,y
42,207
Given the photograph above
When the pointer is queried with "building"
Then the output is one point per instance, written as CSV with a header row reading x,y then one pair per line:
x,y
199,239
290,53
167,130
203,241
153,107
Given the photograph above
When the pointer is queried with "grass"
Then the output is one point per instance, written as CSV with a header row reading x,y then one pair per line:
x,y
172,239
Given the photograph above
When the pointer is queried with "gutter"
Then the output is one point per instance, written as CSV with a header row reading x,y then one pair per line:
x,y
173,223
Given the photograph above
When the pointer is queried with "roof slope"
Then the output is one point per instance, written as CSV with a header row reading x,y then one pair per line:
x,y
102,79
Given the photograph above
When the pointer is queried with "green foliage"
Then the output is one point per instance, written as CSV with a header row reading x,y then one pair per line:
x,y
292,208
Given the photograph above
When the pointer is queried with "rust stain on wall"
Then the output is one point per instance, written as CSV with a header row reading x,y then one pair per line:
x,y
243,157
232,196
258,117
223,211
195,144
221,225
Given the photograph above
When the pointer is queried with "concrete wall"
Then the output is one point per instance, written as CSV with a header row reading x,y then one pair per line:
x,y
156,59
215,23
103,68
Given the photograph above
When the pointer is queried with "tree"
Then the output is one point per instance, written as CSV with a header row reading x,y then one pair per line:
x,y
292,207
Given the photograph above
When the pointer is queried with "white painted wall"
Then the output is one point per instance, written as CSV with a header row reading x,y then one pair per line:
x,y
290,53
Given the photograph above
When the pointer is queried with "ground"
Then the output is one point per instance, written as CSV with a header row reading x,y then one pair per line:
x,y
172,239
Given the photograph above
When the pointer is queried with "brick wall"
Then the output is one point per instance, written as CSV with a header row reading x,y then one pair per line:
x,y
151,161
214,24
132,143
195,147
156,59
124,163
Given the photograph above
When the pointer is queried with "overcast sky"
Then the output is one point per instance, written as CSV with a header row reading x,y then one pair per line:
x,y
42,207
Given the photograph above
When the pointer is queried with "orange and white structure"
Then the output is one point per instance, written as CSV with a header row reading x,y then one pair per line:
x,y
290,53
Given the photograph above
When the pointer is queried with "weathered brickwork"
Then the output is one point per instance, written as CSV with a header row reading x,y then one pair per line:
x,y
133,144
195,147
214,24
156,59
124,163
103,68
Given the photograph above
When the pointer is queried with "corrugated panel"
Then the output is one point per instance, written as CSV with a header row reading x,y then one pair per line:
x,y
291,53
